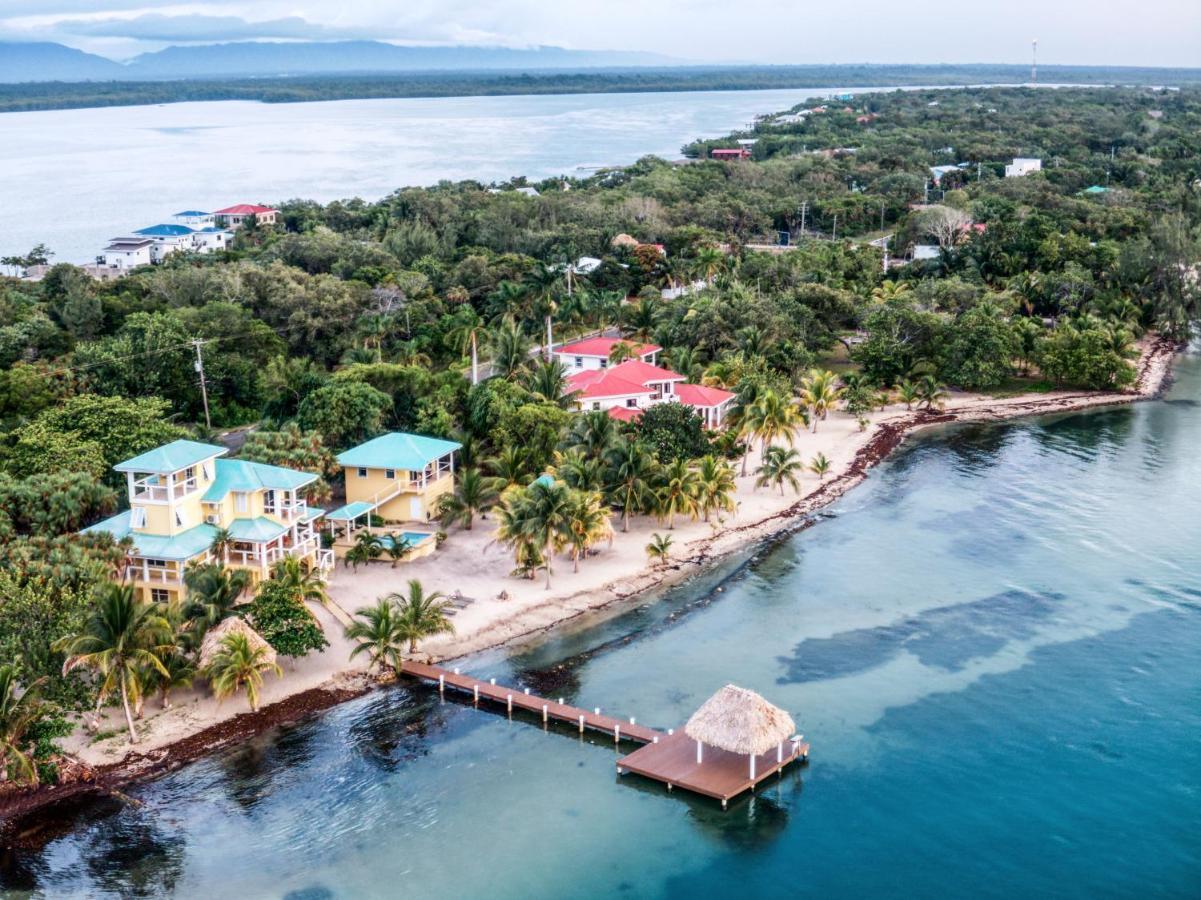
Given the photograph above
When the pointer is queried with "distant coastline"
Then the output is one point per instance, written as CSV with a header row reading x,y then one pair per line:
x,y
39,96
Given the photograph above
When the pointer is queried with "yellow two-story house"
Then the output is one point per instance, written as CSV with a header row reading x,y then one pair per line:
x,y
397,477
183,496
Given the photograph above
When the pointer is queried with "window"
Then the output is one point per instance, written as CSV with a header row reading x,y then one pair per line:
x,y
596,404
190,472
159,595
156,563
632,403
208,472
137,517
179,518
241,502
362,472
390,474
604,363
579,362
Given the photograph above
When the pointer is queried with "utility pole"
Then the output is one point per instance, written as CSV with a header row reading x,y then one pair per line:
x,y
881,216
804,208
204,393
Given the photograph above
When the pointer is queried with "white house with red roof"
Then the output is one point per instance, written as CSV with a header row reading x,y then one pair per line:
x,y
238,215
593,353
625,389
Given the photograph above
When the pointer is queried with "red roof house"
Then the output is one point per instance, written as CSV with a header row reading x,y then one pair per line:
x,y
593,353
233,216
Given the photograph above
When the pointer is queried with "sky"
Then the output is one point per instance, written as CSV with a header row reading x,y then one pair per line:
x,y
1110,32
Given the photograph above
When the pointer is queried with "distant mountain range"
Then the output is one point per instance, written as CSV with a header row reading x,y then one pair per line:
x,y
31,62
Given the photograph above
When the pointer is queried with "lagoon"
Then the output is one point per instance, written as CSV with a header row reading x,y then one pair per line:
x,y
75,178
994,645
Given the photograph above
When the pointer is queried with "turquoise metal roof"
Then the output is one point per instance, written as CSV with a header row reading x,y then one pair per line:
x,y
165,231
191,212
350,511
398,450
244,476
311,513
259,529
182,546
171,457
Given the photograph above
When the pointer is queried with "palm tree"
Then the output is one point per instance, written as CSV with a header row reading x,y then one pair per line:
x,y
587,524
369,547
659,549
820,392
213,592
373,328
303,582
621,351
238,665
678,492
641,318
772,416
396,547
222,543
538,514
473,494
510,350
511,468
180,672
548,383
375,630
580,472
909,393
542,286
708,263
780,466
17,714
420,615
631,473
820,466
890,290
931,393
686,361
466,337
122,636
593,433
715,486
1027,332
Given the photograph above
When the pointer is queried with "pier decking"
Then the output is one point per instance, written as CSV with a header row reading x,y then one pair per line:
x,y
670,758
513,698
720,774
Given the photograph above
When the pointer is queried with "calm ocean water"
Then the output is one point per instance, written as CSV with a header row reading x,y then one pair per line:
x,y
994,646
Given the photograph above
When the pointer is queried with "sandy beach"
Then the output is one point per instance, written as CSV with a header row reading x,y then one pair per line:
x,y
505,608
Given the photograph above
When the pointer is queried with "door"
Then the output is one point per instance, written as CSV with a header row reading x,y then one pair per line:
x,y
415,512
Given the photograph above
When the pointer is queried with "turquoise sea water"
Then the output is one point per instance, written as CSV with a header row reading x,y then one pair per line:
x,y
994,646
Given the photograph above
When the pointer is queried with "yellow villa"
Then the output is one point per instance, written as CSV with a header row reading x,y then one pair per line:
x,y
183,493
396,477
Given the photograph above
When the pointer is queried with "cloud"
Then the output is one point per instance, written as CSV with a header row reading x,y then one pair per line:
x,y
206,29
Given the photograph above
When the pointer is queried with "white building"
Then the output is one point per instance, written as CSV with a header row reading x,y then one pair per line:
x,y
194,217
925,251
1022,166
206,240
167,239
128,253
592,354
626,389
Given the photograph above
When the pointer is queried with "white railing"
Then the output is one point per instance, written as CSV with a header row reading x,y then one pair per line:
x,y
325,560
156,574
304,548
287,511
160,493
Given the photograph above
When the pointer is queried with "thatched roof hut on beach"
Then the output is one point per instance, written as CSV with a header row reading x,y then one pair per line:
x,y
739,721
211,645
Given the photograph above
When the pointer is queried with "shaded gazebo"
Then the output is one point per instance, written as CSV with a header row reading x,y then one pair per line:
x,y
211,645
740,721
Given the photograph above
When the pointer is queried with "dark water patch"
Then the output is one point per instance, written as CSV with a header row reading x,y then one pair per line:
x,y
948,637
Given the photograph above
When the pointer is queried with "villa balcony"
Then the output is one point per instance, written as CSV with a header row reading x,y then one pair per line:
x,y
154,491
154,575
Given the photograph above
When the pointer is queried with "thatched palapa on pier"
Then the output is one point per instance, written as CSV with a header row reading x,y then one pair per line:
x,y
740,721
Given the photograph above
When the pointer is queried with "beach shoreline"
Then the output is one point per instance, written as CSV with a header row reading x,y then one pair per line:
x,y
177,737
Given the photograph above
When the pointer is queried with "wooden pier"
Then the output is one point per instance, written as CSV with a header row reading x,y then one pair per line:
x,y
512,698
671,758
